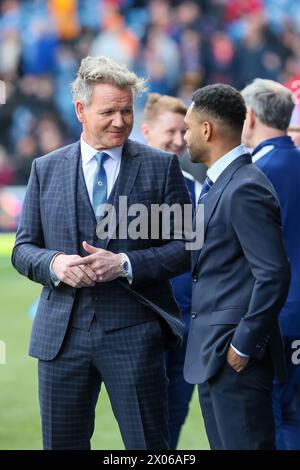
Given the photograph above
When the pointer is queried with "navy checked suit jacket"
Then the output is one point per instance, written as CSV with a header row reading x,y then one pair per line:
x,y
48,225
241,275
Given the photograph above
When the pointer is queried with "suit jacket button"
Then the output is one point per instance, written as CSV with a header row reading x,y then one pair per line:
x,y
194,314
195,279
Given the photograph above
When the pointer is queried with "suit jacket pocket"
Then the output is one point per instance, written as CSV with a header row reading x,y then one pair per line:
x,y
229,316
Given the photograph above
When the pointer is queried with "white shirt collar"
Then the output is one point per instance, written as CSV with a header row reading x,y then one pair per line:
x,y
262,152
219,166
88,152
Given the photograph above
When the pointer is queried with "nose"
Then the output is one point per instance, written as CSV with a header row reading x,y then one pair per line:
x,y
118,120
179,140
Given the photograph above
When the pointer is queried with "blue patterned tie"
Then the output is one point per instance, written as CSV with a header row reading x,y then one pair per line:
x,y
99,184
205,188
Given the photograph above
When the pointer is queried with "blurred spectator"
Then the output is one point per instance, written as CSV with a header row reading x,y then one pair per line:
x,y
7,170
236,9
116,40
255,56
64,13
40,42
9,53
49,136
89,14
26,151
161,65
219,59
178,45
278,11
192,67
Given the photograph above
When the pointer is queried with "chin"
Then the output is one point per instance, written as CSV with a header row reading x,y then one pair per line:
x,y
193,157
116,142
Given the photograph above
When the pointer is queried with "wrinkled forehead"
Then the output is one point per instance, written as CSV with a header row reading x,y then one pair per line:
x,y
105,92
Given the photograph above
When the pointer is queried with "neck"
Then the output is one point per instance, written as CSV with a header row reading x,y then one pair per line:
x,y
218,151
265,133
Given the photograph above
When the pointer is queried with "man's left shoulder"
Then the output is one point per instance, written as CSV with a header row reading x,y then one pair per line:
x,y
250,174
251,183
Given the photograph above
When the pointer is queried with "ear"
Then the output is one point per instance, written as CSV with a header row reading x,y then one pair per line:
x,y
145,131
80,111
207,130
251,117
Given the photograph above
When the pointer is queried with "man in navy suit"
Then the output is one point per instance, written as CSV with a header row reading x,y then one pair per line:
x,y
270,106
105,317
240,279
163,127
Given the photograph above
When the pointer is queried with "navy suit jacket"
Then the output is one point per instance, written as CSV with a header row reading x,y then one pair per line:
x,y
241,274
48,225
282,167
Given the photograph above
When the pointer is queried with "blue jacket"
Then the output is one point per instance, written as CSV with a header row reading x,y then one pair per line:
x,y
282,166
182,284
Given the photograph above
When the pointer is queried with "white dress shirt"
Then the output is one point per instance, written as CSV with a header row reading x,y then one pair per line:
x,y
89,166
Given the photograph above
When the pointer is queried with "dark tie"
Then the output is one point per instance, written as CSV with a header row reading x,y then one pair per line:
x,y
99,184
205,188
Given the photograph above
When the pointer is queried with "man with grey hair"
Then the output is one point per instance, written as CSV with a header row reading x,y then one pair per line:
x,y
107,309
269,109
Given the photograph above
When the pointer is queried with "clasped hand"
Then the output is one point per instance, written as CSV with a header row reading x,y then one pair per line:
x,y
76,271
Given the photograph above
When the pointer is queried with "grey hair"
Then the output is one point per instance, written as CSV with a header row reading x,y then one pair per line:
x,y
101,69
271,102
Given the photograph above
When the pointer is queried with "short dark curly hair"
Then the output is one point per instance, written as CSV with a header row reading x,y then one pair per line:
x,y
222,102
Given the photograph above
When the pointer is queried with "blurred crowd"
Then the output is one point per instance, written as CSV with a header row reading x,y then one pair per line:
x,y
178,45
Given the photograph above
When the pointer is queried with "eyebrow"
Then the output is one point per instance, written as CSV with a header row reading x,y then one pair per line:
x,y
105,110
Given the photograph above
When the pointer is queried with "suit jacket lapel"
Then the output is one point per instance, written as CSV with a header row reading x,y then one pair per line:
x,y
69,182
214,195
130,165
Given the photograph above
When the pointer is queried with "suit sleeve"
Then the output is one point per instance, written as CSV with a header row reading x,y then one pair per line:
x,y
170,258
29,256
256,221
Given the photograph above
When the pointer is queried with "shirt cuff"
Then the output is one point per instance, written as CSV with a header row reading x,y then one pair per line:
x,y
238,352
128,273
56,282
